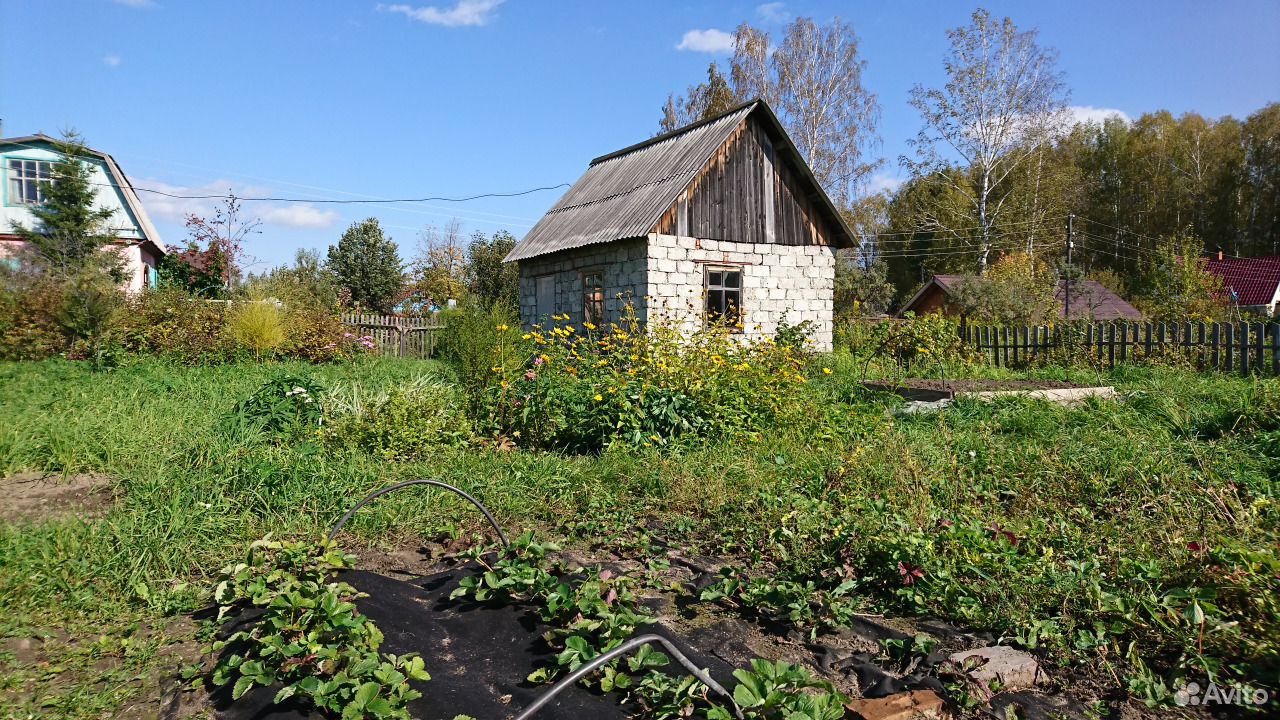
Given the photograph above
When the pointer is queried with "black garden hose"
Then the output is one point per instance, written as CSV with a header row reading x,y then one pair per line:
x,y
434,483
623,649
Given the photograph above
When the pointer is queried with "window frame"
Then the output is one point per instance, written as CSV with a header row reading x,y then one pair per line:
x,y
709,291
15,177
538,315
593,310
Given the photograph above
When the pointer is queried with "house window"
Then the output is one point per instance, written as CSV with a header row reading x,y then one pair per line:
x,y
544,297
724,294
25,179
593,296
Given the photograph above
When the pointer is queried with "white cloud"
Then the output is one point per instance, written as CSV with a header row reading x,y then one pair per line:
x,y
1090,114
883,182
708,41
774,12
463,13
112,61
136,3
176,209
299,215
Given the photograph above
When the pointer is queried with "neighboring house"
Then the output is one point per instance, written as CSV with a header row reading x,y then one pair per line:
x,y
1089,299
1253,284
26,161
718,220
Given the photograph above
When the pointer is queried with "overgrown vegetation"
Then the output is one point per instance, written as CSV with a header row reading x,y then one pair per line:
x,y
1129,540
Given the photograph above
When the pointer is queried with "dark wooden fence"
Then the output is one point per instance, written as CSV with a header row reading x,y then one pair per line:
x,y
1229,347
413,337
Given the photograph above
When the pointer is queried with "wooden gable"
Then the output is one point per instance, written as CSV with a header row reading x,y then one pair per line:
x,y
751,191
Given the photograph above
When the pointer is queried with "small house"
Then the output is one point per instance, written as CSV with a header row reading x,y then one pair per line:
x,y
26,163
721,220
1252,284
1089,299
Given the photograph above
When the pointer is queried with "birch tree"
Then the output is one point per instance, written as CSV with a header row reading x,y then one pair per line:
x,y
813,81
1004,100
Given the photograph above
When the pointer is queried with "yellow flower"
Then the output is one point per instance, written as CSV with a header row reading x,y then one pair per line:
x,y
526,336
589,326
505,384
599,397
613,390
497,368
826,371
516,434
502,328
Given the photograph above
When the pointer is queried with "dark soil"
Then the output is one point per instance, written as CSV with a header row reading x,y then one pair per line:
x,y
38,496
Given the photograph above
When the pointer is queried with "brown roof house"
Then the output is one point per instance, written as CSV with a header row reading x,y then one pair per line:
x,y
1089,299
718,220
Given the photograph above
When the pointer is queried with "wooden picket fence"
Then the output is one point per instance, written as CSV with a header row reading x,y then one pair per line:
x,y
1246,348
411,337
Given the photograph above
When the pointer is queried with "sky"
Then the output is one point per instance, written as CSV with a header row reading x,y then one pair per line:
x,y
451,98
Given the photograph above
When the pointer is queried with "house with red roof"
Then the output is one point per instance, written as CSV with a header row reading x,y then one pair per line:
x,y
1089,299
1253,284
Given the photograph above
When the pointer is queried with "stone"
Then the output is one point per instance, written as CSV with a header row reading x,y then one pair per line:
x,y
902,706
1013,668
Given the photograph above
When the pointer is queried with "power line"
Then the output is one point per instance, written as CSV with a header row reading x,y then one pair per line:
x,y
330,201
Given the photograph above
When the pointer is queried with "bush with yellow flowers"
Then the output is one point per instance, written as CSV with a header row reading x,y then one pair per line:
x,y
582,387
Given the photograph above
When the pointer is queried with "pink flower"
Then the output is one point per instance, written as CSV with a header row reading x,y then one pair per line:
x,y
537,362
530,375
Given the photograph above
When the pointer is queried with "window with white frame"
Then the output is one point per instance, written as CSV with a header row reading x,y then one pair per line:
x,y
26,178
723,287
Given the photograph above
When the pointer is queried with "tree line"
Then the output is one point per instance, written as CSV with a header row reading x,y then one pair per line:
x,y
999,163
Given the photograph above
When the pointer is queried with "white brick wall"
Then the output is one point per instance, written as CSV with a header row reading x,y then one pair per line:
x,y
790,282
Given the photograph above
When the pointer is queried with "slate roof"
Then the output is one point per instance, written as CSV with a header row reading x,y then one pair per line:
x,y
624,193
1254,280
1089,298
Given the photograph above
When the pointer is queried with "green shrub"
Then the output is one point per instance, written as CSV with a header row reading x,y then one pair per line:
x,y
919,340
286,405
406,423
473,343
173,324
258,326
29,327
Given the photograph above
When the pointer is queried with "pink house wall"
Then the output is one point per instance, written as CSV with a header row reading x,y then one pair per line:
x,y
139,260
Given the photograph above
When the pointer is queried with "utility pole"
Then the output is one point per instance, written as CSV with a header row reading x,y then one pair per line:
x,y
1071,242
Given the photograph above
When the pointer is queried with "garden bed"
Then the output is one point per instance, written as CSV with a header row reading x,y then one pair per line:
x,y
933,390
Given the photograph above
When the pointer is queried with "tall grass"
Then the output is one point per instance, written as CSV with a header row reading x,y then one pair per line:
x,y
1126,485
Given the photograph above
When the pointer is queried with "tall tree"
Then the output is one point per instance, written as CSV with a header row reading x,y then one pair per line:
x,y
491,279
701,101
440,267
367,263
1004,100
69,231
813,80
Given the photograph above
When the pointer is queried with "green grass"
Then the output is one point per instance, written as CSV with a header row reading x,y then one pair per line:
x,y
1102,500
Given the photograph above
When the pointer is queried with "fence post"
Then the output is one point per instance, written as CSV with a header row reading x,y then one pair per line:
x,y
1259,357
1275,348
1229,346
1244,348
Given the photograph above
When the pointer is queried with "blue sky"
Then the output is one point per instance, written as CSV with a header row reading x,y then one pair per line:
x,y
447,98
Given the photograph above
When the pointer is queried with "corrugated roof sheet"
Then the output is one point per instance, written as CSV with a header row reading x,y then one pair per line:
x,y
1253,280
623,194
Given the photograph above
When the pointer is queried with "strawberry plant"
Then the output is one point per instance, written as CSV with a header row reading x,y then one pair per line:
x,y
309,636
